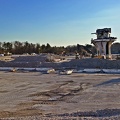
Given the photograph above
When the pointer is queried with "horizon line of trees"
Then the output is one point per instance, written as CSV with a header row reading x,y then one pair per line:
x,y
17,47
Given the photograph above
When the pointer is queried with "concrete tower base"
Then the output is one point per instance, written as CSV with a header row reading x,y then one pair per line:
x,y
103,42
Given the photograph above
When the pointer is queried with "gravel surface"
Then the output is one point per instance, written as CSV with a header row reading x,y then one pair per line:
x,y
34,96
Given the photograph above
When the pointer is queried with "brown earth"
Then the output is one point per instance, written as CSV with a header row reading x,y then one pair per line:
x,y
25,94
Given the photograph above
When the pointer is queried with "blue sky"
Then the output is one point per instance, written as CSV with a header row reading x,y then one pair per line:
x,y
57,22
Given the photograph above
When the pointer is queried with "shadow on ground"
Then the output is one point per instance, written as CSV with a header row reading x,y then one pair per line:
x,y
98,113
113,81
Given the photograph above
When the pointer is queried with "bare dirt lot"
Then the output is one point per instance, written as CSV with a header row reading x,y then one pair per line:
x,y
32,95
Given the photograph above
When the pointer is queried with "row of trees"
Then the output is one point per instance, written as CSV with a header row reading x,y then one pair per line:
x,y
17,47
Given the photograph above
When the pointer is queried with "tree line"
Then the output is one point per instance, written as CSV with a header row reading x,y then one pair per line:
x,y
18,47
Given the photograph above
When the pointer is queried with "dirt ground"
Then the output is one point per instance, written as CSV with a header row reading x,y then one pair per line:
x,y
6,58
25,94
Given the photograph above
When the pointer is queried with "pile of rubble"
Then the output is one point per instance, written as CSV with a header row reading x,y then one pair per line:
x,y
40,61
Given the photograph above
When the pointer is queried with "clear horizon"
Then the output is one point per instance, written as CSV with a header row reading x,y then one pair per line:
x,y
57,22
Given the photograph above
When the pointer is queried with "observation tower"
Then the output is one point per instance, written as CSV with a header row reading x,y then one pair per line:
x,y
103,42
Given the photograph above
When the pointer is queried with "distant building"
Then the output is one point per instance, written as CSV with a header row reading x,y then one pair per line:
x,y
103,42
